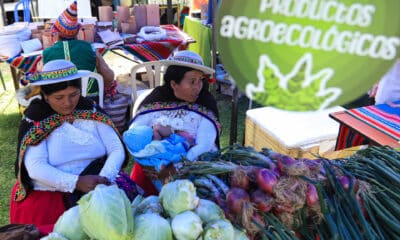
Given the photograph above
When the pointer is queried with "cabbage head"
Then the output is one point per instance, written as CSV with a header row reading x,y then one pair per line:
x,y
55,236
209,211
106,214
239,234
178,196
151,226
220,229
150,204
69,226
187,226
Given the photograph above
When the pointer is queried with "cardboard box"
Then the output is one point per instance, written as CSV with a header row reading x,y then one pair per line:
x,y
153,15
140,13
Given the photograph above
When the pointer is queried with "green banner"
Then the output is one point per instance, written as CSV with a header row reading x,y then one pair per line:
x,y
307,54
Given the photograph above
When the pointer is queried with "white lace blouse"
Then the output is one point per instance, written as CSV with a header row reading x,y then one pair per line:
x,y
55,163
195,124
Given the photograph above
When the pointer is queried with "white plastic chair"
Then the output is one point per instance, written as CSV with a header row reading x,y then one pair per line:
x,y
154,71
100,83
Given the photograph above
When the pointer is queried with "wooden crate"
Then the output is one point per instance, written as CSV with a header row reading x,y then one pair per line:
x,y
344,153
258,138
297,134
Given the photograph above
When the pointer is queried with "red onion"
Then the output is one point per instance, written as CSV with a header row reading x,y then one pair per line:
x,y
274,168
279,208
285,162
262,201
321,177
240,179
345,182
266,179
236,198
312,195
313,165
273,155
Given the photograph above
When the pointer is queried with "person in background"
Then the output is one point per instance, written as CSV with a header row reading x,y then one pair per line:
x,y
66,147
388,88
182,105
65,30
81,53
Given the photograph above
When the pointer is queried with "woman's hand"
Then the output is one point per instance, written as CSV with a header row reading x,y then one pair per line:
x,y
166,173
150,172
161,131
88,182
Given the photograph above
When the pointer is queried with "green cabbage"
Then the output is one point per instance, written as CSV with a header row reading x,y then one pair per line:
x,y
151,226
187,226
220,229
239,234
208,211
135,203
178,196
55,236
150,204
69,225
106,213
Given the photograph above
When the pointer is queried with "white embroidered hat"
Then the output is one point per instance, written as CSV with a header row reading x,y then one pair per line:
x,y
56,71
190,59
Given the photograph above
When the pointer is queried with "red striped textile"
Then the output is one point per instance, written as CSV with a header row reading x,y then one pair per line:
x,y
25,64
383,117
152,51
349,138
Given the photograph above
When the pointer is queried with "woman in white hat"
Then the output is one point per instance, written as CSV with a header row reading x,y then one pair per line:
x,y
66,147
183,105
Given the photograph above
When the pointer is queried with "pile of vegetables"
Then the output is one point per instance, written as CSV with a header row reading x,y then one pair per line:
x,y
274,196
177,213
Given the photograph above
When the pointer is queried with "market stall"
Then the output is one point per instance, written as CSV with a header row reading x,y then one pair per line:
x,y
286,183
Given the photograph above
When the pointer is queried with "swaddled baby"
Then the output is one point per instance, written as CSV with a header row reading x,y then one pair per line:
x,y
157,148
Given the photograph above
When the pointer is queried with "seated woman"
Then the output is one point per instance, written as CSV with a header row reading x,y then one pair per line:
x,y
182,105
66,147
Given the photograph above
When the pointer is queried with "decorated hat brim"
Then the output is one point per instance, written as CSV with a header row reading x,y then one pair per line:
x,y
79,74
204,69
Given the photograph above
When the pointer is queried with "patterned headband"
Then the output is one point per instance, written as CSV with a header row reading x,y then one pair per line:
x,y
186,59
52,75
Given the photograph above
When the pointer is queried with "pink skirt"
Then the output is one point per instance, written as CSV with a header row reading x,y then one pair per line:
x,y
41,208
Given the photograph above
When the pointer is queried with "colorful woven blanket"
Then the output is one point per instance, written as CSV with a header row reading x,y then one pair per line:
x,y
152,51
383,117
25,64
